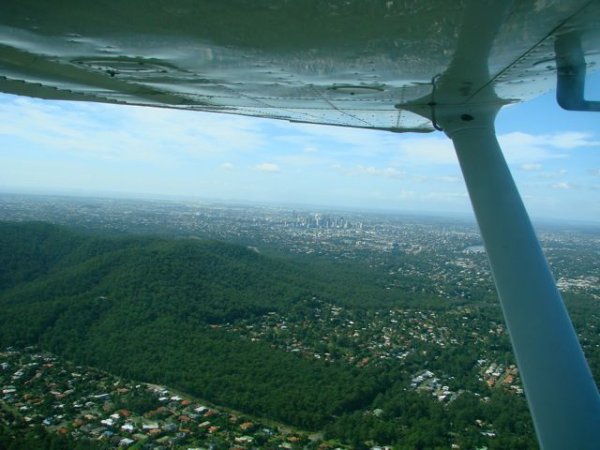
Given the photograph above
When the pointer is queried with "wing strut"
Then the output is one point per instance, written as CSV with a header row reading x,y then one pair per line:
x,y
560,390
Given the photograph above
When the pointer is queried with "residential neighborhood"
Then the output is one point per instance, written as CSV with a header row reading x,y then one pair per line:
x,y
38,388
402,336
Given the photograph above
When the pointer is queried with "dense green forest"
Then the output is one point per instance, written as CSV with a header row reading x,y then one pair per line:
x,y
157,310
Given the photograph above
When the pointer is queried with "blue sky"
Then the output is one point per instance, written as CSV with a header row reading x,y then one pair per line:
x,y
81,148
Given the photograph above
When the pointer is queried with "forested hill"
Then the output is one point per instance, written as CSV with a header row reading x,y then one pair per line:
x,y
151,309
195,281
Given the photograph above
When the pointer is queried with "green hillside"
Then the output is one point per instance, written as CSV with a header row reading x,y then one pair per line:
x,y
151,309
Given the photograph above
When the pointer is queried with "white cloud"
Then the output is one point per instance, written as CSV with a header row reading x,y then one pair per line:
x,y
300,160
449,179
227,166
341,142
563,185
523,148
267,167
405,194
121,133
388,172
570,140
554,174
446,195
426,151
531,167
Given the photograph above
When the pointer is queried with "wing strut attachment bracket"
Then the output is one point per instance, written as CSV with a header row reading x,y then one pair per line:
x,y
432,104
570,70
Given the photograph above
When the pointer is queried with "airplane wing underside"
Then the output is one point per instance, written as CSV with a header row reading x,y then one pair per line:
x,y
337,62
